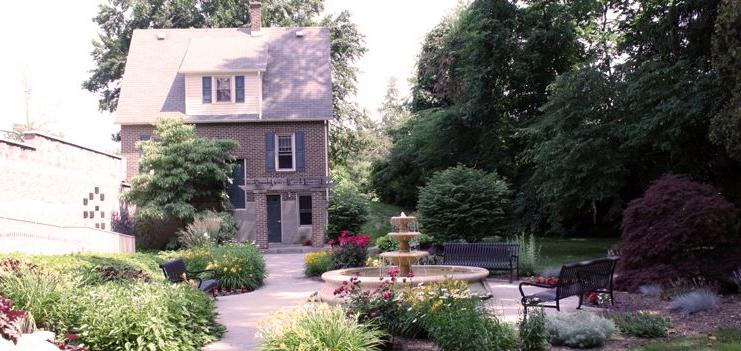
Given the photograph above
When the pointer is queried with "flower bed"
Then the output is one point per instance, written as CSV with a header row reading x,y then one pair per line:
x,y
109,302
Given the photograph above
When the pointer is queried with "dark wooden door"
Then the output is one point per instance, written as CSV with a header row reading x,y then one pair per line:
x,y
274,232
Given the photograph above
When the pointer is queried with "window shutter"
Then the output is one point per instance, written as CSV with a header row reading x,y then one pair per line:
x,y
270,152
300,158
206,83
239,87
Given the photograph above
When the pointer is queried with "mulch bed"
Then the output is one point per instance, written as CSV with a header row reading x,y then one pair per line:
x,y
228,292
727,315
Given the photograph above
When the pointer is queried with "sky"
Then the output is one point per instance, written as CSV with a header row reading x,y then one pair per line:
x,y
47,45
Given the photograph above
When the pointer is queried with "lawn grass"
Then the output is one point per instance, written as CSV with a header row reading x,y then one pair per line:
x,y
721,340
555,252
378,219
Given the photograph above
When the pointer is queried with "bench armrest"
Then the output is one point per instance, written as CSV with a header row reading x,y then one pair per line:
x,y
538,285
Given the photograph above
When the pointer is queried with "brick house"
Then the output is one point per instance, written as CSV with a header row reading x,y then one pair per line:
x,y
267,88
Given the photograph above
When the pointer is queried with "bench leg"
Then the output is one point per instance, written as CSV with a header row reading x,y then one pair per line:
x,y
581,299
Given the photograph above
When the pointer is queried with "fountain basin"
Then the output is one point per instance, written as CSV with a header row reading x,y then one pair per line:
x,y
369,278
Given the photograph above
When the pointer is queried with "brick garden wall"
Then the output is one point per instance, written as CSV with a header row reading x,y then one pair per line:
x,y
54,182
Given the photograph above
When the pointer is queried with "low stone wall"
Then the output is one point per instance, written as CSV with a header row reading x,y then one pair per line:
x,y
45,239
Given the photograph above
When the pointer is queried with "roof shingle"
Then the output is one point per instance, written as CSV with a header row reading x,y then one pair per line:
x,y
296,83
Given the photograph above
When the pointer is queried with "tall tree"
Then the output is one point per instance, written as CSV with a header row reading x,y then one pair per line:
x,y
726,125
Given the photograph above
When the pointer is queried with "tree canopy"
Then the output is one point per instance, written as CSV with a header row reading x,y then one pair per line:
x,y
579,104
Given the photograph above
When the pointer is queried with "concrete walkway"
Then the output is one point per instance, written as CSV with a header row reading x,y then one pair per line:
x,y
285,286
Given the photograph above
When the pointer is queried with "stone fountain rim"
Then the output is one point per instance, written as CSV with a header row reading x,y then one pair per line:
x,y
471,274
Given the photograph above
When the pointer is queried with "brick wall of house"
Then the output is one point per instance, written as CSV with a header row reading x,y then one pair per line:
x,y
53,181
251,139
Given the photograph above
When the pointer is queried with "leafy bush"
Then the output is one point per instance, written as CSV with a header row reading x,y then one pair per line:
x,y
385,243
463,203
107,314
694,301
208,227
679,229
318,327
529,254
347,210
641,324
347,256
451,323
13,322
446,312
235,265
316,263
532,331
651,290
579,330
140,316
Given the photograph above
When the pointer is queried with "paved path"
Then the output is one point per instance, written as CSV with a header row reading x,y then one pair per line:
x,y
285,286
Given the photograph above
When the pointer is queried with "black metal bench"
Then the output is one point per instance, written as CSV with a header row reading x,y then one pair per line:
x,y
575,279
492,256
176,272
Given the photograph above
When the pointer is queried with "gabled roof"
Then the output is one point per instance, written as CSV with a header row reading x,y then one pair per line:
x,y
297,81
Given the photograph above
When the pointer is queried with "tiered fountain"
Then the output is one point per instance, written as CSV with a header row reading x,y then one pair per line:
x,y
405,260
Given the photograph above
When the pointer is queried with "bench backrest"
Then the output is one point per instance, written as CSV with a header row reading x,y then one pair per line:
x,y
487,252
174,270
583,277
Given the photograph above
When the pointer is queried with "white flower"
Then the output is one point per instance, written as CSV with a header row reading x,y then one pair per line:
x,y
205,235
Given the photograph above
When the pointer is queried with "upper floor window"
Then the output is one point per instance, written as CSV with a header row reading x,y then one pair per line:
x,y
223,89
285,157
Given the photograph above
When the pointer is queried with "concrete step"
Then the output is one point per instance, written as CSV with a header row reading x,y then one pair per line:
x,y
291,249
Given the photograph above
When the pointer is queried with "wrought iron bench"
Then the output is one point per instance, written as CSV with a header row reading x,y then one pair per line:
x,y
176,272
575,279
492,256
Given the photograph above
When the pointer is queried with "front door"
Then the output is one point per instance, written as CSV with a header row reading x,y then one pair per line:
x,y
274,231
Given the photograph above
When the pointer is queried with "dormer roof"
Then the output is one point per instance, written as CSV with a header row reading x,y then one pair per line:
x,y
295,71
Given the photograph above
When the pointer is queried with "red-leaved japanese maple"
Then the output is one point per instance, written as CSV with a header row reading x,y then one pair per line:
x,y
678,230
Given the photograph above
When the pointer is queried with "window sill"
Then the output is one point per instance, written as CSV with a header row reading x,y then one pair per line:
x,y
285,170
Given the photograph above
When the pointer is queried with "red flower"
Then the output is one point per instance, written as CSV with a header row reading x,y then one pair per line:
x,y
71,337
387,294
593,298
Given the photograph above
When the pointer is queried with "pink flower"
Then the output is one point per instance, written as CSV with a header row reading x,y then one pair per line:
x,y
71,337
410,275
344,282
387,294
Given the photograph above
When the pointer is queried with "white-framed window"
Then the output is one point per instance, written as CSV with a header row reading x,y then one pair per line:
x,y
223,89
304,210
285,155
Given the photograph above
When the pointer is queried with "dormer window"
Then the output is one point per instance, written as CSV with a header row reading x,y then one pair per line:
x,y
223,89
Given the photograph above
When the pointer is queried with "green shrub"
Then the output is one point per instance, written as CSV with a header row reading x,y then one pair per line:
x,y
111,314
385,243
318,327
348,256
529,254
347,210
463,203
579,330
141,316
235,265
532,331
641,324
462,324
316,263
208,227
